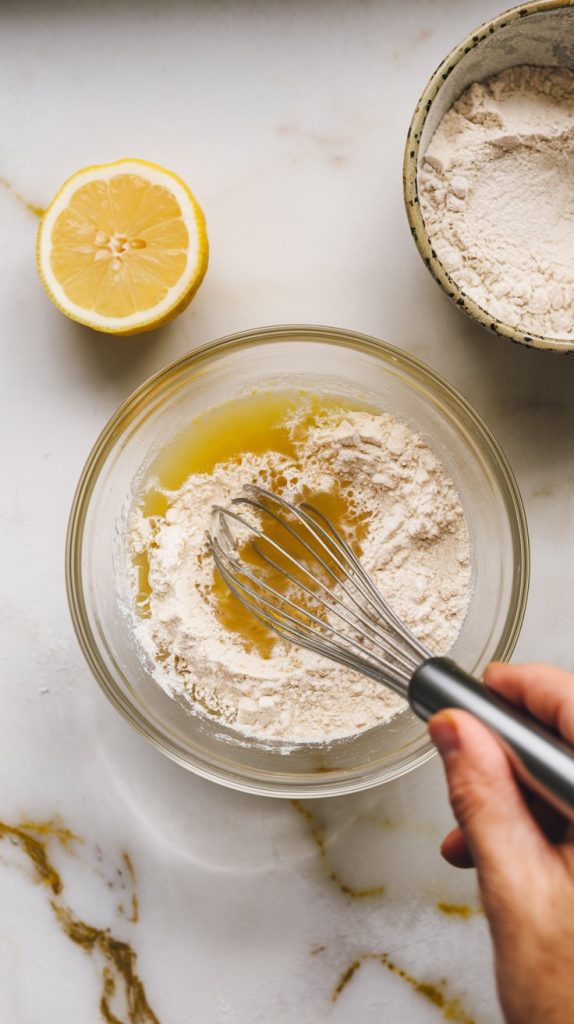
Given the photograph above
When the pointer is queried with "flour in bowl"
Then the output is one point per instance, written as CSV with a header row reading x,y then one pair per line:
x,y
496,190
413,539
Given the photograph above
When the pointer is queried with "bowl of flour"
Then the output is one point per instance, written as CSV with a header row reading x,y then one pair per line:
x,y
488,180
385,447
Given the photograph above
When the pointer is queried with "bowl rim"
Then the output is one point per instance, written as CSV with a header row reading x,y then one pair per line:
x,y
410,181
250,780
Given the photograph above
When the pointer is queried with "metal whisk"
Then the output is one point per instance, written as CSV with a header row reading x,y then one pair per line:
x,y
293,570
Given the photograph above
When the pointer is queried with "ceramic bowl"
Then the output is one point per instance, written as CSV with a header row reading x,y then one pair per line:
x,y
539,33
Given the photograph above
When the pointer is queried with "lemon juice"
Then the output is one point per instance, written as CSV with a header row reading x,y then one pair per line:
x,y
258,423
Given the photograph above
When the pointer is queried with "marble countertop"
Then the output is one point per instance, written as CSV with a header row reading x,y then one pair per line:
x,y
131,891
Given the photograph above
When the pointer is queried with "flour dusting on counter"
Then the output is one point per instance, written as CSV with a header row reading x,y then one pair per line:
x,y
415,544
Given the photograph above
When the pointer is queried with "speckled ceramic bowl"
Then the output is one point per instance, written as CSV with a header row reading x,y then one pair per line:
x,y
539,33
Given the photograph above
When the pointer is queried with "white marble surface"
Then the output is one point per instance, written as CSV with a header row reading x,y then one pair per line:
x,y
288,120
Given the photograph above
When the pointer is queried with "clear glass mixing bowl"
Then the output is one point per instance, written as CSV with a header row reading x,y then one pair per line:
x,y
322,360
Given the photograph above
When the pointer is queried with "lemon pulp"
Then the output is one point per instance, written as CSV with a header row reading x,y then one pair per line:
x,y
119,245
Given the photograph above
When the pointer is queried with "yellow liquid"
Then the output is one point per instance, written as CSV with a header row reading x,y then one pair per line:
x,y
256,424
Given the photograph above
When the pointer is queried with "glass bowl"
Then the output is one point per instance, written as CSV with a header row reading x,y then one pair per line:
x,y
539,33
280,358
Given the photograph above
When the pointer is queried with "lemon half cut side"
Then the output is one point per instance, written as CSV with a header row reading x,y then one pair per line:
x,y
122,247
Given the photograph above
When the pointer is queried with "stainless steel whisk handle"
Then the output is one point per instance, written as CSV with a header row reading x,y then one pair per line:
x,y
541,760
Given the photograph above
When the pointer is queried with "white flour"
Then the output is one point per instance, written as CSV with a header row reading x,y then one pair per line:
x,y
497,195
416,548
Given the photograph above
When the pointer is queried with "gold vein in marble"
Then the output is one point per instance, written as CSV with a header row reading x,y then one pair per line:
x,y
458,910
26,836
120,981
433,992
38,211
134,915
120,968
319,840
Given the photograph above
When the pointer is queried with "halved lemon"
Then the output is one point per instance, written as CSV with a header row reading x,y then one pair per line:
x,y
122,247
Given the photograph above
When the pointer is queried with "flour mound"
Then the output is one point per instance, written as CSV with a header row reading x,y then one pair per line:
x,y
416,548
496,190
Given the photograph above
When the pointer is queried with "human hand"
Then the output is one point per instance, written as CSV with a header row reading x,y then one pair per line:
x,y
522,849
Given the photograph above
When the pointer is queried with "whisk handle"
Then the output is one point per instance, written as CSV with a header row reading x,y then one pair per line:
x,y
541,760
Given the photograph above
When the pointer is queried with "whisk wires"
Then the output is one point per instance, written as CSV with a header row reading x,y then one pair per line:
x,y
290,567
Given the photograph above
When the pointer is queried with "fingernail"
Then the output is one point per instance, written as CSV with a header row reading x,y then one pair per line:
x,y
444,733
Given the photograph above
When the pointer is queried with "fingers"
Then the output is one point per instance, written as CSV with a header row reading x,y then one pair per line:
x,y
496,824
554,826
548,693
455,851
